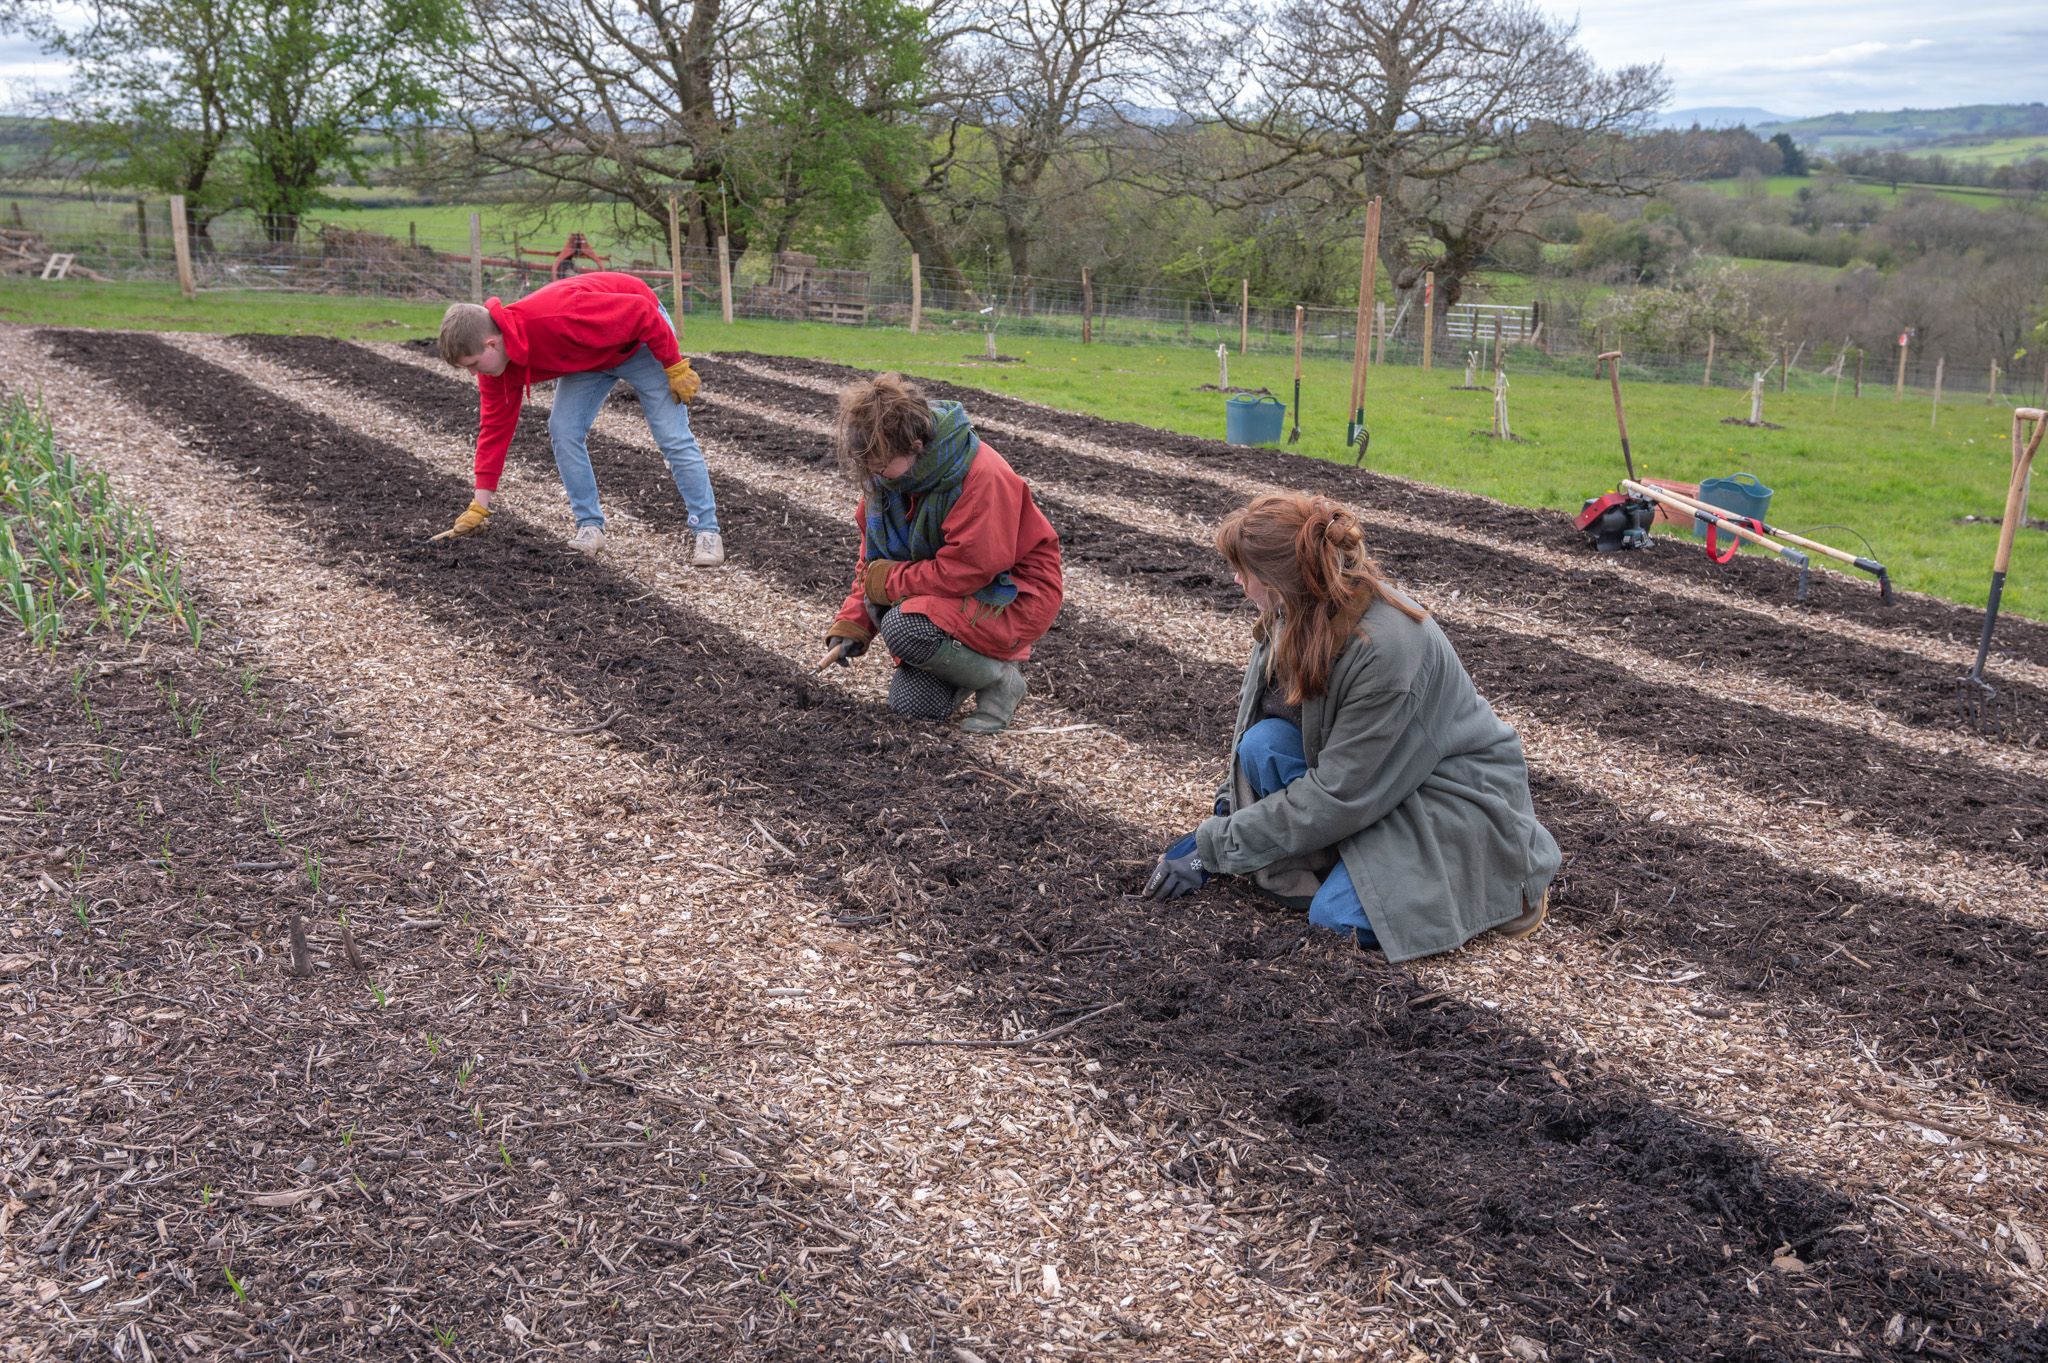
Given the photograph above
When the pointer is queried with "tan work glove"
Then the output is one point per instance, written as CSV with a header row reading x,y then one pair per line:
x,y
468,523
683,380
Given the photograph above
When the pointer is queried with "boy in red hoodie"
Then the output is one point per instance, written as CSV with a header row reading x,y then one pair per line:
x,y
588,333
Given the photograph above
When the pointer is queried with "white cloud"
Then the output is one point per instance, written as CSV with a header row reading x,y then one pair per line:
x,y
1788,55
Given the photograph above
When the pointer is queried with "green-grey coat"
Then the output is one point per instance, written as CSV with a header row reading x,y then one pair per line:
x,y
1412,779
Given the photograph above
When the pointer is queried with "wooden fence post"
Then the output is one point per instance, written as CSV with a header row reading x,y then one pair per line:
x,y
1087,308
1707,379
916,292
181,245
142,232
412,235
1361,334
1496,342
1428,318
1859,371
1379,331
1932,417
1784,367
1991,393
1244,314
675,262
1899,385
476,258
725,278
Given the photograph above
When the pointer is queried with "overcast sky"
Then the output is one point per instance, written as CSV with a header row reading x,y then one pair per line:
x,y
1789,56
1819,56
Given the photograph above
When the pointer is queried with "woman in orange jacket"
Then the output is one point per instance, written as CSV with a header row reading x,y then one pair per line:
x,y
959,571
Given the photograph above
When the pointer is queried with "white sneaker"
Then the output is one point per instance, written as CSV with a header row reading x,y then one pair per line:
x,y
588,539
710,550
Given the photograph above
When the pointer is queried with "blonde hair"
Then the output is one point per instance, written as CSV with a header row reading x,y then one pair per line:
x,y
1309,552
879,421
465,327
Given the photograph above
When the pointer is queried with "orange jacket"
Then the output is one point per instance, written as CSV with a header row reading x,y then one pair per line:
x,y
994,528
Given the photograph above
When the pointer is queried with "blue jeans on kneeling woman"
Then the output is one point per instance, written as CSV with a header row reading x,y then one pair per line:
x,y
1271,757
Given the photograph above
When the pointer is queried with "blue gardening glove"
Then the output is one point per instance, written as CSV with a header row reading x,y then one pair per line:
x,y
1180,871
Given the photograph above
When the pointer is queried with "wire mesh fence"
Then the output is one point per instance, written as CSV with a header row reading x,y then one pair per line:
x,y
390,253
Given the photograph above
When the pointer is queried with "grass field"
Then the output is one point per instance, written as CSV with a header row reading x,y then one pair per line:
x,y
1999,152
1874,465
1786,186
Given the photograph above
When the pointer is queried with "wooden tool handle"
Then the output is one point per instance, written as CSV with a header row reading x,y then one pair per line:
x,y
1698,506
2016,490
1725,519
1299,314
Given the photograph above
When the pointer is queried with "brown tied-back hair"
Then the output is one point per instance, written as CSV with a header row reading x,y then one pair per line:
x,y
1309,554
880,421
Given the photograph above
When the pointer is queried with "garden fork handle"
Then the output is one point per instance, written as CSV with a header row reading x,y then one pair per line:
x,y
2023,451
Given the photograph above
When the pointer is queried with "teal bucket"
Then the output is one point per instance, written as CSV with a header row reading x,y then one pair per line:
x,y
1740,495
1253,420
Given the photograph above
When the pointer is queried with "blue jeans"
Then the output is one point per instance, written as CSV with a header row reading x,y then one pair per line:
x,y
577,400
1271,756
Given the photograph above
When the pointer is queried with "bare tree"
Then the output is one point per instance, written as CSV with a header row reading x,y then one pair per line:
x,y
1044,80
1471,119
622,100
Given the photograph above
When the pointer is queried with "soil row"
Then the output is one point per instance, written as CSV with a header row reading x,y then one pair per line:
x,y
1562,1200
1764,579
1776,933
1875,781
1912,688
180,1108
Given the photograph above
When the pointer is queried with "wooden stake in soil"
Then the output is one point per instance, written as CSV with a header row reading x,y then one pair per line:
x,y
675,261
476,258
181,246
916,292
1244,314
1428,319
1361,335
142,232
725,278
1991,392
1899,384
1785,371
1940,365
1496,343
302,959
1087,308
1501,430
1707,379
1859,371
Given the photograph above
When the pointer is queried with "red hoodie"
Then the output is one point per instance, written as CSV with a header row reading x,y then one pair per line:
x,y
572,326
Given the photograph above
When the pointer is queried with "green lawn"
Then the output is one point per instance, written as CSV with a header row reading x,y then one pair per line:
x,y
1874,465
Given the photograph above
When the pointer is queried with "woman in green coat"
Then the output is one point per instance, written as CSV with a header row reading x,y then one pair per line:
x,y
1370,783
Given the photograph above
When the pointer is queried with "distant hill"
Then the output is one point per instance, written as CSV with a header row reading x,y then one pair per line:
x,y
1914,129
1718,116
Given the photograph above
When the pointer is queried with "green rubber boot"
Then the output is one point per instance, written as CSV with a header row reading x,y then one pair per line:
x,y
998,686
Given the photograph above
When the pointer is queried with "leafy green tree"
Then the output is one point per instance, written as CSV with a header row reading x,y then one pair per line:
x,y
310,77
237,103
1795,159
148,104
